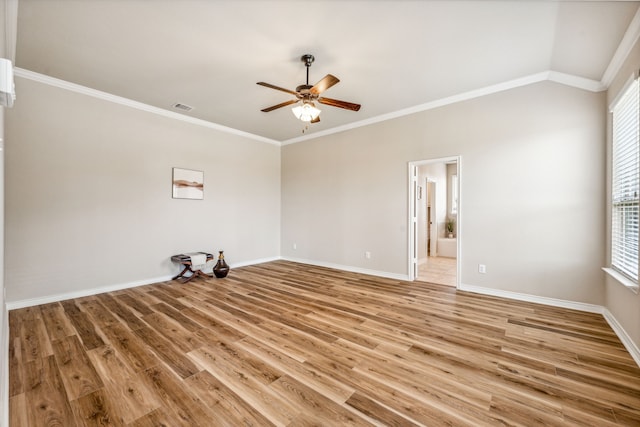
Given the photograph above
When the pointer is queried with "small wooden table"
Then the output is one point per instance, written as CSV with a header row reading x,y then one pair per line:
x,y
185,260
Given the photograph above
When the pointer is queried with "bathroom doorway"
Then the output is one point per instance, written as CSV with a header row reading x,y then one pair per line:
x,y
434,221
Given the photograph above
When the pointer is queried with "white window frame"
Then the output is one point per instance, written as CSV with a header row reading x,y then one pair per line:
x,y
625,185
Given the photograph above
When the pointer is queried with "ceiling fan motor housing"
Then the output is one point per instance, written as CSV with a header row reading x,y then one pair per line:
x,y
307,59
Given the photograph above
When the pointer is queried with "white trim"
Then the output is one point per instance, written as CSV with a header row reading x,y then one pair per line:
x,y
30,302
622,334
4,369
384,274
566,79
629,39
254,262
62,84
412,223
624,281
554,302
576,81
415,164
554,76
623,90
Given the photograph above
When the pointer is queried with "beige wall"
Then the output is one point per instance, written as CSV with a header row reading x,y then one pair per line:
x,y
532,191
619,300
88,196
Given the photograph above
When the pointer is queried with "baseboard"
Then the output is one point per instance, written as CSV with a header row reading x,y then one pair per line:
x,y
4,370
30,302
590,308
622,334
554,302
254,262
377,273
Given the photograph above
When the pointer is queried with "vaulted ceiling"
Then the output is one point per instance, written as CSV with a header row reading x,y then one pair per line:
x,y
392,56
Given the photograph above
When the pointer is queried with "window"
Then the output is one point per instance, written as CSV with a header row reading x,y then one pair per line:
x,y
626,183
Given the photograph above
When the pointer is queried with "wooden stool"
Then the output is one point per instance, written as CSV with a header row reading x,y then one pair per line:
x,y
186,261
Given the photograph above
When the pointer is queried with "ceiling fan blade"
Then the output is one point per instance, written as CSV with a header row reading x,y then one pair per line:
x,y
340,104
277,88
283,104
316,120
324,84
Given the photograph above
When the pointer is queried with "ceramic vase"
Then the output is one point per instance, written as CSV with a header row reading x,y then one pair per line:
x,y
221,268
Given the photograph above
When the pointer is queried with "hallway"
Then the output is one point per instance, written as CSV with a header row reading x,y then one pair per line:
x,y
440,270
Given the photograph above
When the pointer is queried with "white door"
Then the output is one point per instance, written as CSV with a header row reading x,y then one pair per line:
x,y
413,222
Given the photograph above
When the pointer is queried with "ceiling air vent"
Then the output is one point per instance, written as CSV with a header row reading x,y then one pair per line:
x,y
183,107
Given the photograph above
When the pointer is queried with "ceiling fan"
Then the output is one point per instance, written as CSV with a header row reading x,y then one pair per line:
x,y
306,95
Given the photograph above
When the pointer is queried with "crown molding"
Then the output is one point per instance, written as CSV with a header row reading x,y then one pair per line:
x,y
629,39
577,82
63,84
554,76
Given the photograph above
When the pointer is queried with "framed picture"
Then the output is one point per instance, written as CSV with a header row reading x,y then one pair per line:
x,y
188,184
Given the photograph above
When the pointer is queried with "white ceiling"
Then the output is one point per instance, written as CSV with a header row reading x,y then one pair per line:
x,y
390,55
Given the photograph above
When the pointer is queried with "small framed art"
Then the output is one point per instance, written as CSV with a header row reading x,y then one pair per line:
x,y
188,184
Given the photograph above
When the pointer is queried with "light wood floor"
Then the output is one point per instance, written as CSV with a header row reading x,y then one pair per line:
x,y
439,270
290,344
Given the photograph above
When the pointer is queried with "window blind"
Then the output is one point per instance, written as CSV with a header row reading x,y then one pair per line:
x,y
626,182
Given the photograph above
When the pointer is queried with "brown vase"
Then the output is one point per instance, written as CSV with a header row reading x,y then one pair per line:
x,y
221,268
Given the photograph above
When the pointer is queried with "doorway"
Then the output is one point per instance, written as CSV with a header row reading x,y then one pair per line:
x,y
434,221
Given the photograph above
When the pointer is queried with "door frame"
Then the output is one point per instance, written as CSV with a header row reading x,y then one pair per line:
x,y
412,220
432,224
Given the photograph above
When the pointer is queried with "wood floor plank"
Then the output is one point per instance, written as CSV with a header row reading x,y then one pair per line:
x,y
168,352
16,367
120,310
187,409
157,418
123,385
78,374
177,316
34,338
314,406
96,410
288,344
135,352
47,401
253,390
325,384
228,406
18,409
377,411
57,324
173,331
82,323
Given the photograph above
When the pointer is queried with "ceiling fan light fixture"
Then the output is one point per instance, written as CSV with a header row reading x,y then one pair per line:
x,y
306,112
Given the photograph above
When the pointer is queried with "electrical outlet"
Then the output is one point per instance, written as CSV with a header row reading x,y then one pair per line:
x,y
295,246
482,268
367,255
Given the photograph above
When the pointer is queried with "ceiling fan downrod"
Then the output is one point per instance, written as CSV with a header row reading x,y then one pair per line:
x,y
308,60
